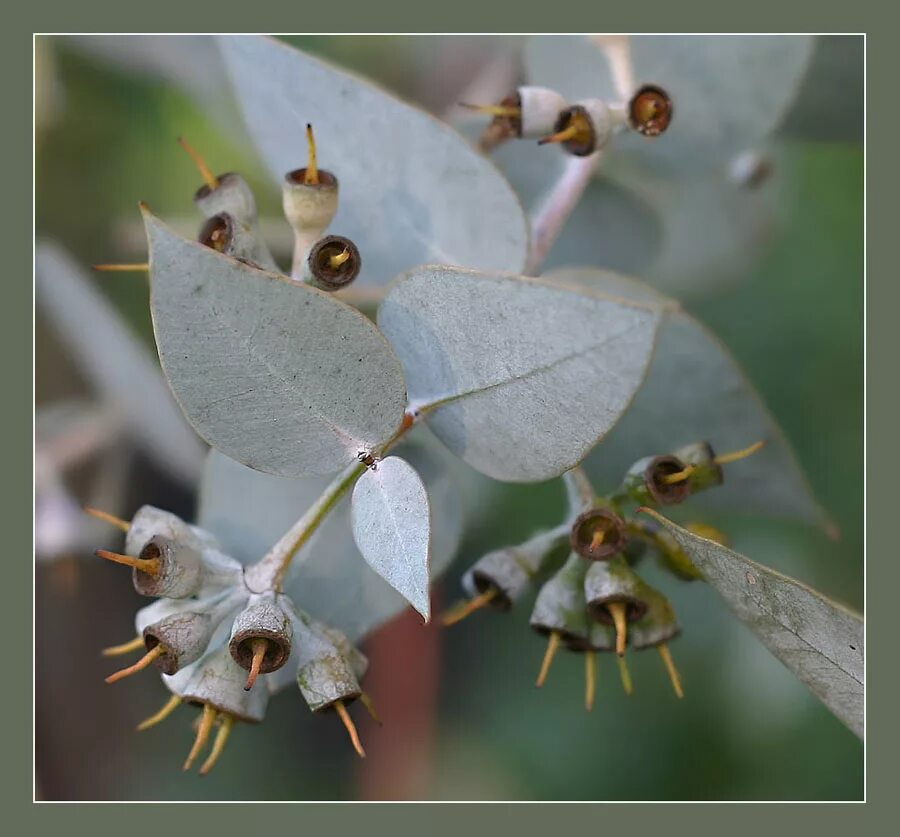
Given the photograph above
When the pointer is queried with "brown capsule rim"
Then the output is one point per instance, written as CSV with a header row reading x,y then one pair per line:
x,y
167,662
205,191
610,546
220,222
634,608
334,278
657,124
146,584
666,494
296,177
483,583
277,653
574,147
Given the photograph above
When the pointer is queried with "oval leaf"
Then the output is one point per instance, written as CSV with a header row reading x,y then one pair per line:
x,y
412,189
272,372
818,640
521,378
729,91
248,512
695,390
392,528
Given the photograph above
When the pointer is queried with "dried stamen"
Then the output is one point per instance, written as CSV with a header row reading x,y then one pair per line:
x,y
335,261
151,566
618,611
170,706
218,745
495,110
206,724
137,267
625,675
549,654
351,727
366,701
466,608
311,176
118,522
259,646
208,177
670,667
135,644
724,459
590,679
140,665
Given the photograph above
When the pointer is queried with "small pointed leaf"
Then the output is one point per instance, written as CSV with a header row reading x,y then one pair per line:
x,y
272,372
695,391
249,511
392,528
521,378
818,640
412,189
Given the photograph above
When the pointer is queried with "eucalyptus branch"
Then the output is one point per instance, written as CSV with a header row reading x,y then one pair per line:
x,y
553,213
580,493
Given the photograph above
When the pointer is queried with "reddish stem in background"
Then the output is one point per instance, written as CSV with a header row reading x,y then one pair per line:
x,y
403,682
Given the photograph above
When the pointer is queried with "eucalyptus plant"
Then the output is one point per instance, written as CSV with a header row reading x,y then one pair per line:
x,y
341,436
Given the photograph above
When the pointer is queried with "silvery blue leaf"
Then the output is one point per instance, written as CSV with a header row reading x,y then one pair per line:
x,y
391,521
272,372
521,378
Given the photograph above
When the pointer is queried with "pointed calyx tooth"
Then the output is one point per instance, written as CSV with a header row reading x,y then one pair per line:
x,y
334,262
180,569
261,637
648,483
650,110
583,128
599,533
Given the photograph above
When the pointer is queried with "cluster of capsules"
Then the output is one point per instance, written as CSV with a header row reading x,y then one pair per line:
x,y
581,128
219,645
596,602
310,197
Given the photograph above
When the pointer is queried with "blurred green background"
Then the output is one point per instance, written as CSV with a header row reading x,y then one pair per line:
x,y
746,729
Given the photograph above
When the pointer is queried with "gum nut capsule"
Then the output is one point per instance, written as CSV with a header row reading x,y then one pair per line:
x,y
218,681
540,108
358,661
324,674
186,635
309,207
646,482
706,472
584,128
650,110
333,263
226,234
599,533
233,195
610,582
658,624
180,569
262,619
510,571
560,606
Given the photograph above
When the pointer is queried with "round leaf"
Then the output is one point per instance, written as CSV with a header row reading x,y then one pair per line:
x,y
521,378
273,373
412,189
392,527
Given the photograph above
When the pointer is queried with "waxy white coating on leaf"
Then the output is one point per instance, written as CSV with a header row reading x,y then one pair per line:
x,y
521,378
818,640
696,391
249,511
273,373
729,92
391,521
412,189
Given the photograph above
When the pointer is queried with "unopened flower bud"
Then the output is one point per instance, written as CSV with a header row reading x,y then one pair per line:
x,y
333,263
599,533
650,110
